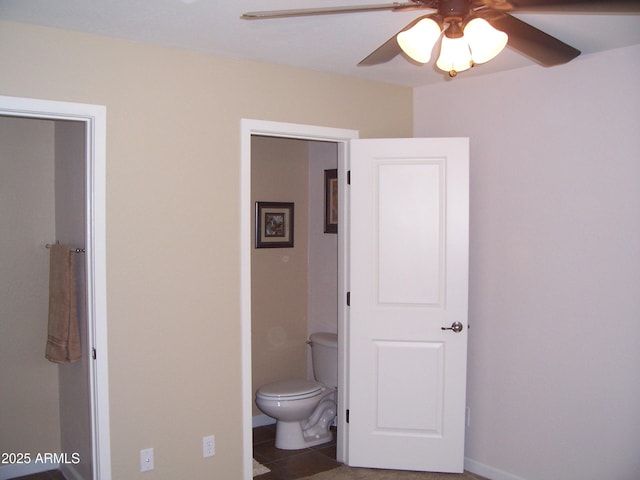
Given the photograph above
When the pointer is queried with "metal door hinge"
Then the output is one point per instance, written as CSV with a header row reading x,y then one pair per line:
x,y
348,299
349,177
347,415
93,353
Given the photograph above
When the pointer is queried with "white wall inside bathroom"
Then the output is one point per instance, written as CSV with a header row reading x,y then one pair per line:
x,y
294,290
323,247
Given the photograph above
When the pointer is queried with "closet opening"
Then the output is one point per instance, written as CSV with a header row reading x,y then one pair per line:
x,y
54,154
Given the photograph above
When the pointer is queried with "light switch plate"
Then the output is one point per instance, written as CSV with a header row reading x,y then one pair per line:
x,y
146,460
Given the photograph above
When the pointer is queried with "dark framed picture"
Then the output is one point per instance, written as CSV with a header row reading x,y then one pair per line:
x,y
274,225
331,201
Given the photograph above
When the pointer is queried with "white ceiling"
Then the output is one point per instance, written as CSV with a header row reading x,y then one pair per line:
x,y
332,43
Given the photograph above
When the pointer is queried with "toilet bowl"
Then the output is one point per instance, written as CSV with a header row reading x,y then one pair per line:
x,y
305,409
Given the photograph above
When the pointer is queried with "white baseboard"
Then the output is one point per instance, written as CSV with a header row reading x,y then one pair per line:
x,y
21,469
487,471
260,421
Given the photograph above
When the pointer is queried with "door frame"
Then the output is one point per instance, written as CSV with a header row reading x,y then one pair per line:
x,y
341,137
94,118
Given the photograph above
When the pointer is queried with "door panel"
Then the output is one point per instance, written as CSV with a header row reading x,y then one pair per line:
x,y
408,280
409,200
421,397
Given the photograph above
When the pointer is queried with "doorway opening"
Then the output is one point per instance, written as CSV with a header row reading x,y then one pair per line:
x,y
341,138
294,287
87,124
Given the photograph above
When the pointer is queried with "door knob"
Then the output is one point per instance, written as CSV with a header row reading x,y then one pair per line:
x,y
455,326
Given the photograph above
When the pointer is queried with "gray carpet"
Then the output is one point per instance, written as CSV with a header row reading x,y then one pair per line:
x,y
350,473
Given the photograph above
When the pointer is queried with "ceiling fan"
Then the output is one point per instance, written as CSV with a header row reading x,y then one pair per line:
x,y
472,31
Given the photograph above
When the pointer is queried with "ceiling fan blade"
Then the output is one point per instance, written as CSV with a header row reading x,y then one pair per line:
x,y
382,54
585,6
302,12
531,42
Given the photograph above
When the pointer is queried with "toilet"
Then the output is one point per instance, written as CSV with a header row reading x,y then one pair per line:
x,y
304,410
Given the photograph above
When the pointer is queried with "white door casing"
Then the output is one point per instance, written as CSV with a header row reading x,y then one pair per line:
x,y
94,118
408,265
342,138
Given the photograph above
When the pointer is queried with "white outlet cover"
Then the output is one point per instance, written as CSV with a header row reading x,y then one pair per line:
x,y
208,446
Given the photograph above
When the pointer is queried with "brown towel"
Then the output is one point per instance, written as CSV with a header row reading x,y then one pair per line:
x,y
63,340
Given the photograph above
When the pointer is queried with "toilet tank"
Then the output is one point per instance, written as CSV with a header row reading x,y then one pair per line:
x,y
324,358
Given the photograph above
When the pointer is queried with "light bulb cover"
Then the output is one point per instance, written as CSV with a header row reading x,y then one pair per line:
x,y
454,55
418,41
485,42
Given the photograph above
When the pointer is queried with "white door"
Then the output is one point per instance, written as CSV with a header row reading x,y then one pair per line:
x,y
408,281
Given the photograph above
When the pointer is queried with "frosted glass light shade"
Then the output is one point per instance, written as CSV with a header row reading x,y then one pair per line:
x,y
418,41
454,55
485,41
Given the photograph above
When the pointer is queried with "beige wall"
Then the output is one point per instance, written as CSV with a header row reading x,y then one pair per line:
x,y
30,419
173,149
279,173
554,307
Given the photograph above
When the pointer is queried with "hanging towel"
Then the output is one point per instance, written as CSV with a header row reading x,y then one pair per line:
x,y
63,339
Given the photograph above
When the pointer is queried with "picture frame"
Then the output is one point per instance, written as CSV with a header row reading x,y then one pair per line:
x,y
274,224
331,201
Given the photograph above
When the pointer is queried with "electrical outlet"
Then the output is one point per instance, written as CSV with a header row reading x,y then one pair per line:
x,y
208,446
146,460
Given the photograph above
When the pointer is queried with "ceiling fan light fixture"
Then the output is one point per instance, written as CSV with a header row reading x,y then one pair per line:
x,y
418,41
485,42
454,55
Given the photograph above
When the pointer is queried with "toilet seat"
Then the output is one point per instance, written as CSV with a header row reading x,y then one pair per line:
x,y
296,389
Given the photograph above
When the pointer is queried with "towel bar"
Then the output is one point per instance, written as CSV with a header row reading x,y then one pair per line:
x,y
75,250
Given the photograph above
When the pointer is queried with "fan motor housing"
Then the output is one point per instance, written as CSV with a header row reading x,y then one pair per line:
x,y
453,10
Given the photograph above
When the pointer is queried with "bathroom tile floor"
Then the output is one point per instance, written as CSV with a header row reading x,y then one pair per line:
x,y
291,464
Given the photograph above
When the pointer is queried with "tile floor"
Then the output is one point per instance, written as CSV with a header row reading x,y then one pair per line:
x,y
290,464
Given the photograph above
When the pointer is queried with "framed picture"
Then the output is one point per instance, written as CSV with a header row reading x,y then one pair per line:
x,y
331,201
274,225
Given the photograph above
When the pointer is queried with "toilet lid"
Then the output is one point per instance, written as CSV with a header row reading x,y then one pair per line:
x,y
289,390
